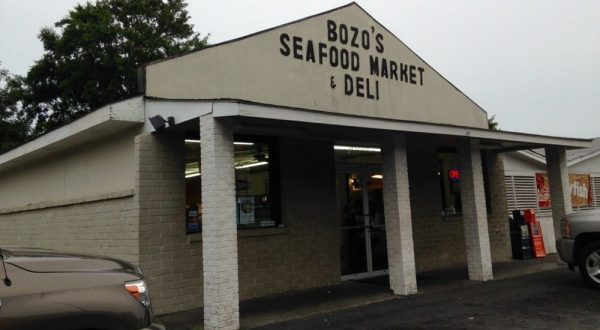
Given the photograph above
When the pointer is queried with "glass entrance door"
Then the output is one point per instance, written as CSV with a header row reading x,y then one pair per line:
x,y
363,248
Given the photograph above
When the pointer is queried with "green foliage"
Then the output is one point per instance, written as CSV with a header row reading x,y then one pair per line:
x,y
493,124
91,56
14,127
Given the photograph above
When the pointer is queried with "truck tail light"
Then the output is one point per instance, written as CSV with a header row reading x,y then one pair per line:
x,y
138,290
565,228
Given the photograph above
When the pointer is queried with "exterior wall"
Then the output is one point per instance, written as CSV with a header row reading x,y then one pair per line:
x,y
547,224
172,265
517,163
591,166
219,72
145,225
438,242
102,167
305,253
80,200
107,227
520,165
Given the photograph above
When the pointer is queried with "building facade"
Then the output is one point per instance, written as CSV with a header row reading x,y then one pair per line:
x,y
526,185
314,152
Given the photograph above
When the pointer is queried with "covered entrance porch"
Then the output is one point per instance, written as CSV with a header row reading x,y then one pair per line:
x,y
427,226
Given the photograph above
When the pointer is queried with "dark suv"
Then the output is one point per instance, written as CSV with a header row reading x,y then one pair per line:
x,y
44,289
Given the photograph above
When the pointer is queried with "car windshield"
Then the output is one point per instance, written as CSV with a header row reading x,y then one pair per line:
x,y
4,253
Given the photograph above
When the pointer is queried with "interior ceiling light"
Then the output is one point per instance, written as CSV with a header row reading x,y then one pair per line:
x,y
236,143
251,165
377,176
357,148
191,175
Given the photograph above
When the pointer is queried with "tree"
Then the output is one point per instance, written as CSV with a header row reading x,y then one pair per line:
x,y
14,127
493,124
92,57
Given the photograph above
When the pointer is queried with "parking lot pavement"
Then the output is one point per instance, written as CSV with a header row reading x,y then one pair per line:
x,y
553,299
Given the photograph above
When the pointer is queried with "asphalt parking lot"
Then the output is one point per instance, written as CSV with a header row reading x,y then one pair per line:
x,y
553,299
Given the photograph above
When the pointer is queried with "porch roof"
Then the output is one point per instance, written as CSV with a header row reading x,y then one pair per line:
x,y
499,140
119,116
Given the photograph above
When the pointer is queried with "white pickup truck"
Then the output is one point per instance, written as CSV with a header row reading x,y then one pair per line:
x,y
580,244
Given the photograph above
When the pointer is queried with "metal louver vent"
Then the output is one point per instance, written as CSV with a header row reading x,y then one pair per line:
x,y
595,185
596,191
520,192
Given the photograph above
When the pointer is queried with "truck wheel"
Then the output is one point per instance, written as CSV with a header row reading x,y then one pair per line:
x,y
589,264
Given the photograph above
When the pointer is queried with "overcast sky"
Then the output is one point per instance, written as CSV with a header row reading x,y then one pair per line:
x,y
534,64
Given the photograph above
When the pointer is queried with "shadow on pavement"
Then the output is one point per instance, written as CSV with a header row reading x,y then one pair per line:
x,y
294,305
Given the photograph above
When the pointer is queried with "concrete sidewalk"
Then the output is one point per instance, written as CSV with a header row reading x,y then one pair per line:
x,y
289,306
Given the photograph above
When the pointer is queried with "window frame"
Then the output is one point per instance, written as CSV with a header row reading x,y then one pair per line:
x,y
274,185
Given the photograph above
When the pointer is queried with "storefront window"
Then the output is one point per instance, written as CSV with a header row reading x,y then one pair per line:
x,y
449,174
193,187
256,184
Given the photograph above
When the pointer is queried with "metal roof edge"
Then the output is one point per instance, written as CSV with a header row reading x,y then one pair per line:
x,y
583,158
532,155
318,117
534,138
127,111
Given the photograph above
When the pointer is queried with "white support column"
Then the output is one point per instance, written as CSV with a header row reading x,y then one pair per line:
x,y
474,212
398,222
558,174
219,230
498,225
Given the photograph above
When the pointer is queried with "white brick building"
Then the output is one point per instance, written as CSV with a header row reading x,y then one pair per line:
x,y
297,157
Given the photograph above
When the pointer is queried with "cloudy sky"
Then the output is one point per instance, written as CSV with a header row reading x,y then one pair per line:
x,y
534,64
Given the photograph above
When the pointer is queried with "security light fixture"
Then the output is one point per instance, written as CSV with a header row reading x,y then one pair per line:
x,y
158,122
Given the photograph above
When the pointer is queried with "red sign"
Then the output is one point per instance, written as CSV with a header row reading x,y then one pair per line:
x,y
579,187
454,174
543,190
